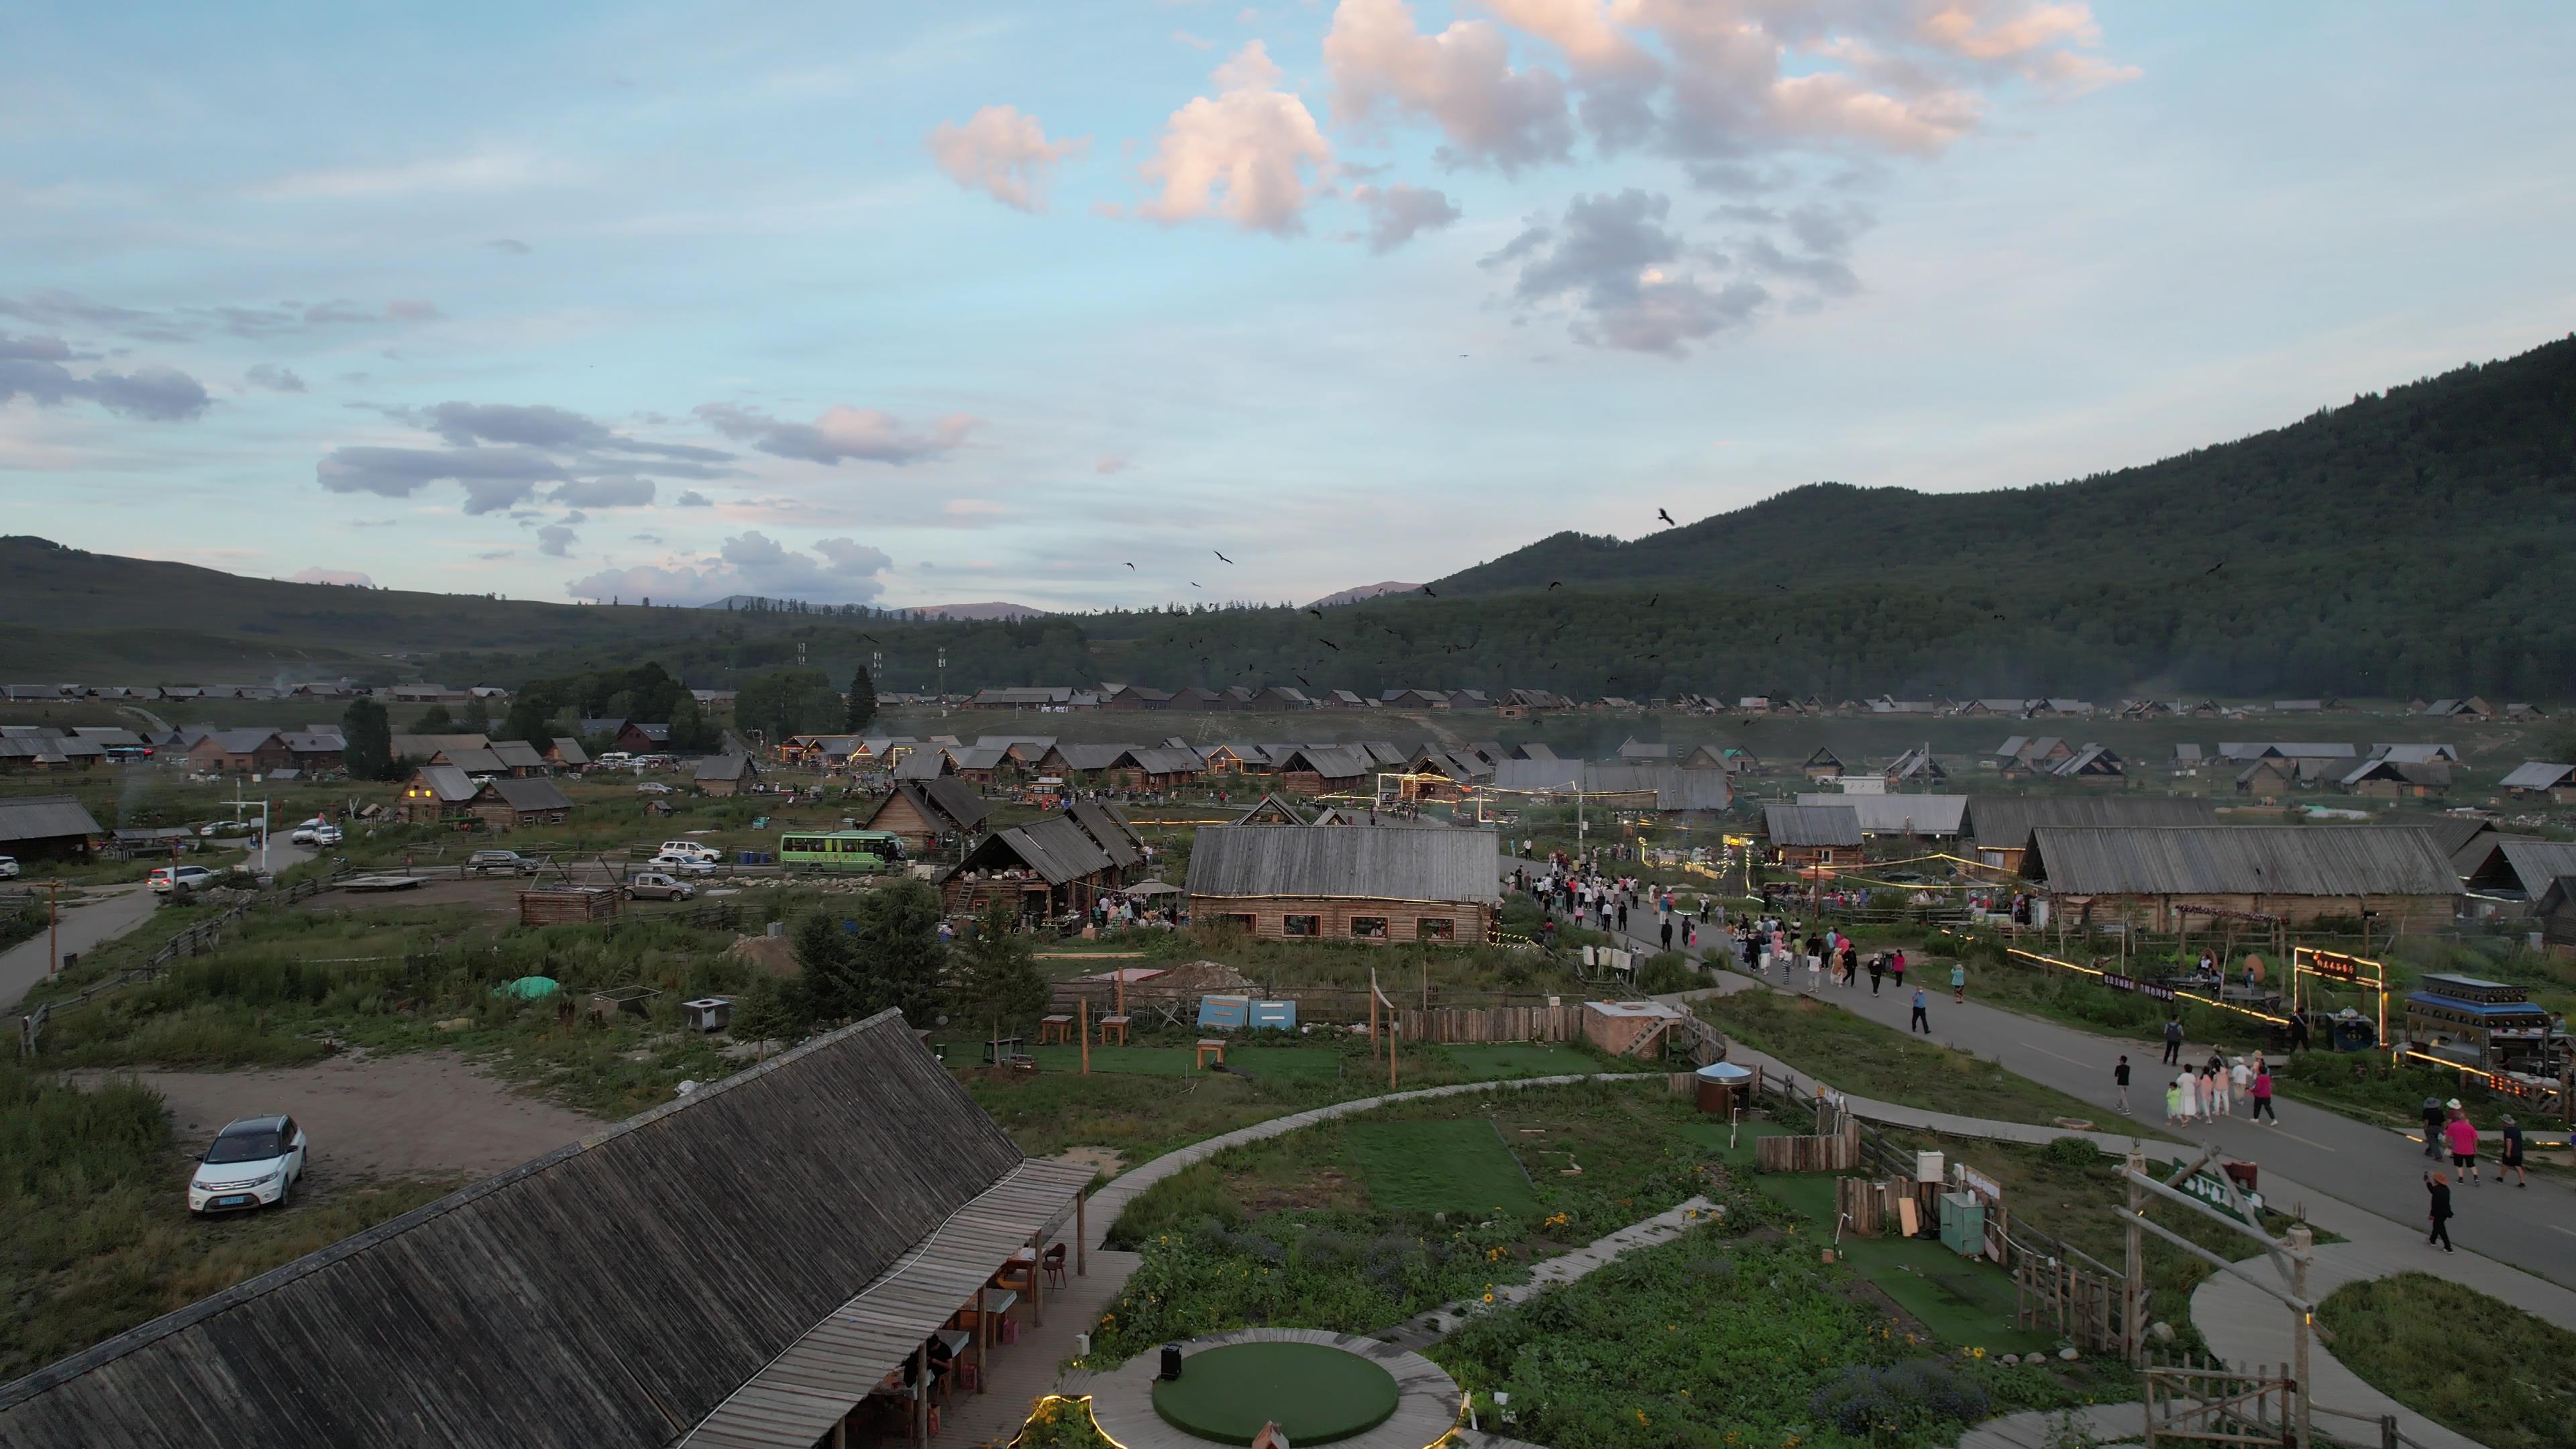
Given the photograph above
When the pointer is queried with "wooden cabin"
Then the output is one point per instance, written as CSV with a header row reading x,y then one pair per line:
x,y
1292,882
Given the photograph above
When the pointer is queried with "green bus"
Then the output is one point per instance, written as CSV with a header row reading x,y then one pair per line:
x,y
863,851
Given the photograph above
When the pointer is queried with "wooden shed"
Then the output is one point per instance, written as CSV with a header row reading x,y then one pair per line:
x,y
2155,876
506,802
583,905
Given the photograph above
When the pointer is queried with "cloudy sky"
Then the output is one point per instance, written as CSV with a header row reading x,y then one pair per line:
x,y
922,304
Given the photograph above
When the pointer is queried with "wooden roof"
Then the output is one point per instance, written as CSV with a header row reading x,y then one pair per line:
x,y
796,1399
1443,864
615,1291
2261,860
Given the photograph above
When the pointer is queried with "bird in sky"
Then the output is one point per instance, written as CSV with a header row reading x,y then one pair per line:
x,y
1426,588
1556,583
1220,553
1130,565
1329,644
1318,613
2213,568
1650,603
1194,583
1666,517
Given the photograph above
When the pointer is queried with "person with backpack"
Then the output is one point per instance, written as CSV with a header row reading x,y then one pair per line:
x,y
2173,1041
2433,1127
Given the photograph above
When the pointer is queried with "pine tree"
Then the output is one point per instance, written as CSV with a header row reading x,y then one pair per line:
x,y
997,980
369,753
863,700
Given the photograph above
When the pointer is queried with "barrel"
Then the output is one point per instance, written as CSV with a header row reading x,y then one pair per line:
x,y
1721,1087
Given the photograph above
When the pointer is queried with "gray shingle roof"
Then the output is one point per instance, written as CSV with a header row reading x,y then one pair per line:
x,y
2537,775
1899,814
726,767
2277,860
1304,860
2537,862
2004,822
1162,760
525,794
449,784
949,798
1055,847
44,817
1342,762
1811,825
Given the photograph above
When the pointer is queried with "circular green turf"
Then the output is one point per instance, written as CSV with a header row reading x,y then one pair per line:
x,y
1318,1393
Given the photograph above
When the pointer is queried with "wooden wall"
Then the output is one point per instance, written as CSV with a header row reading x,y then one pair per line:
x,y
1334,915
2164,913
1494,1023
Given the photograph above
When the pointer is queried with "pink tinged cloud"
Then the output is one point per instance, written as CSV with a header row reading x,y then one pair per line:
x,y
1461,79
1244,155
1004,154
864,434
332,576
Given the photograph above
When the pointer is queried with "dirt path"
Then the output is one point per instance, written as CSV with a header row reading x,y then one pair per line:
x,y
420,1114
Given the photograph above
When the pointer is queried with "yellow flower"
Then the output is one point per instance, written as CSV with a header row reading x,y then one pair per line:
x,y
1489,1297
1641,1416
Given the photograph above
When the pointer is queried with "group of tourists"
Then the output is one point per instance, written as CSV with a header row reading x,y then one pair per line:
x,y
2210,1090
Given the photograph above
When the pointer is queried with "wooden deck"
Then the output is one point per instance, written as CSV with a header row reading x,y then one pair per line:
x,y
840,1361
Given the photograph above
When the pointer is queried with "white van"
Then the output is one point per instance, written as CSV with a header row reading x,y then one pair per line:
x,y
691,850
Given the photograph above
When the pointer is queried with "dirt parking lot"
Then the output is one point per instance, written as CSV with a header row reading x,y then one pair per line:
x,y
420,1114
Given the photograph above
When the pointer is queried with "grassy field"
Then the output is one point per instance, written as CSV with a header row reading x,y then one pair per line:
x,y
1441,1167
1300,1064
2475,1366
1965,1302
99,1239
1863,1058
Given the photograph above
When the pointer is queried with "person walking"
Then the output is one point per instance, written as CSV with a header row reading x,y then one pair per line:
x,y
1920,1021
2438,1210
2173,1101
1896,968
1959,982
2173,1041
2120,1080
2240,1080
2263,1095
1668,933
2510,1159
2190,1096
1851,963
1877,971
2462,1136
2433,1127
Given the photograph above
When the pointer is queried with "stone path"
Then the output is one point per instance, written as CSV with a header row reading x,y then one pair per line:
x,y
1446,1319
2103,1424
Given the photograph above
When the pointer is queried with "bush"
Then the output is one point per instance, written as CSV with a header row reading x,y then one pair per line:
x,y
1914,1394
2071,1151
1666,972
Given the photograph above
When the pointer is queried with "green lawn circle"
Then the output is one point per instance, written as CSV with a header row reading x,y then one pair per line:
x,y
1316,1392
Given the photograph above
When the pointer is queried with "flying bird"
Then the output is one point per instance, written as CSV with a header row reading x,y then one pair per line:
x,y
1556,583
1194,583
1329,644
1666,517
1426,588
1318,613
1131,566
1650,603
2213,568
1220,554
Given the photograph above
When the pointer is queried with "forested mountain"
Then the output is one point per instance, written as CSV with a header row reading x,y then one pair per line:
x,y
2417,542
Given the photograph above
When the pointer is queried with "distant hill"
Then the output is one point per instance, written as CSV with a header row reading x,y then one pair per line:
x,y
1362,593
987,610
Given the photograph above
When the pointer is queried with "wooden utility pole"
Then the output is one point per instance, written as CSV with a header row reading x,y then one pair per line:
x,y
1082,1029
53,927
2133,1290
2302,1244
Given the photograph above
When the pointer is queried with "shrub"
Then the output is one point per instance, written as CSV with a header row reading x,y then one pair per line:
x,y
2071,1151
1913,1394
1666,972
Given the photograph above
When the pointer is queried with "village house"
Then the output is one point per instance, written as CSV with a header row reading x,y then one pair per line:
x,y
566,754
2159,877
434,793
2471,708
1133,697
2514,869
2267,779
47,827
638,738
1152,767
1805,836
240,751
1048,868
1273,810
928,814
1998,827
316,753
2538,780
1290,882
1324,770
726,774
2092,765
2390,779
925,764
1927,817
504,802
1824,764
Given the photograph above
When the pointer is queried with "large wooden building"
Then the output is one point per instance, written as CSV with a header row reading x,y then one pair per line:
x,y
1306,882
737,1269
1998,827
1050,867
927,814
2159,876
48,826
435,793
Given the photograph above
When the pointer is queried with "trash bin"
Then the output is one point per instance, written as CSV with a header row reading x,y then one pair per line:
x,y
1963,1223
70,959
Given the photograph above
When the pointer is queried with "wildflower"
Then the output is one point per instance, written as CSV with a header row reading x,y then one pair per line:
x,y
1489,1297
1641,1416
1976,1353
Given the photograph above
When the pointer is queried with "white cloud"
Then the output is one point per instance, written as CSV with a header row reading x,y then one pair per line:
x,y
1243,155
1622,278
841,432
1398,213
1461,79
1003,154
555,540
837,571
332,576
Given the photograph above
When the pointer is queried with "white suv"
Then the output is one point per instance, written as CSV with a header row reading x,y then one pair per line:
x,y
194,877
692,849
253,1162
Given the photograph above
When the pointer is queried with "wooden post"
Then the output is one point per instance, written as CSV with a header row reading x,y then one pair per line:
x,y
2302,1247
1082,1029
2133,1338
921,1391
1391,1043
1037,1279
983,1337
1081,1236
53,927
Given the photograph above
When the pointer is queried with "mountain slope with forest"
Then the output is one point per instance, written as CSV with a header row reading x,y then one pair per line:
x,y
2417,542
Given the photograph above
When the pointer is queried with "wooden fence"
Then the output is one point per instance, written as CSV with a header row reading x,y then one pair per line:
x,y
1834,1147
1493,1024
2054,1295
196,940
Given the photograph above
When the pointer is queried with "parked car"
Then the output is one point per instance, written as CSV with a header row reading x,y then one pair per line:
x,y
252,1163
692,849
194,877
652,787
228,827
654,885
500,862
682,865
315,832
8,867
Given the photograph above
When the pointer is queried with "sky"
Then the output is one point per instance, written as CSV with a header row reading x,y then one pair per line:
x,y
1092,305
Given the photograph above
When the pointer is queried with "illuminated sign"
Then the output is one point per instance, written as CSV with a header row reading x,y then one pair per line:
x,y
2342,968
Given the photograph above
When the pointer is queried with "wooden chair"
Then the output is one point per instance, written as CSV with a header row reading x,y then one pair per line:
x,y
1053,1261
1056,1029
1109,1024
1210,1046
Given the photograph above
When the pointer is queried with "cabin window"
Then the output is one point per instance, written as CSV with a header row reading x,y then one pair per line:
x,y
1301,925
1368,928
1436,928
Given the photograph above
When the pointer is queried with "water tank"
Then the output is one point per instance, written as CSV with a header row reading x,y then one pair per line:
x,y
1722,1087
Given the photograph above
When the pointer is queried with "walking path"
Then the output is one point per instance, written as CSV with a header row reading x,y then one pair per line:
x,y
2243,1325
107,913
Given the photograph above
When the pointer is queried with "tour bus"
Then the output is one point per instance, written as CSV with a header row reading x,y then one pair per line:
x,y
863,851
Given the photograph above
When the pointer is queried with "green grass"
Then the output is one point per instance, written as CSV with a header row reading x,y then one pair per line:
x,y
1861,1057
1524,1059
1442,1167
1712,1138
1965,1302
1315,1393
2458,1357
1301,1064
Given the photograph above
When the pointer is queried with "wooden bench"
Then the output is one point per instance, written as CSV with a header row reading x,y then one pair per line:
x,y
1109,1024
1055,1028
1209,1045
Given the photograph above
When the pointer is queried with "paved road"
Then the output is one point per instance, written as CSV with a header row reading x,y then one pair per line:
x,y
2369,1167
107,913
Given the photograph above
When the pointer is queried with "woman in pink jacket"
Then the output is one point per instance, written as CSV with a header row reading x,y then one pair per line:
x,y
2462,1136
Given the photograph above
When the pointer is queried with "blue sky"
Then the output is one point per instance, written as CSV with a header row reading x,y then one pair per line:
x,y
921,304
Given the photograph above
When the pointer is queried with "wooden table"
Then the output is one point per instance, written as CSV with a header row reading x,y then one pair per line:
x,y
1117,1024
1206,1046
1055,1028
